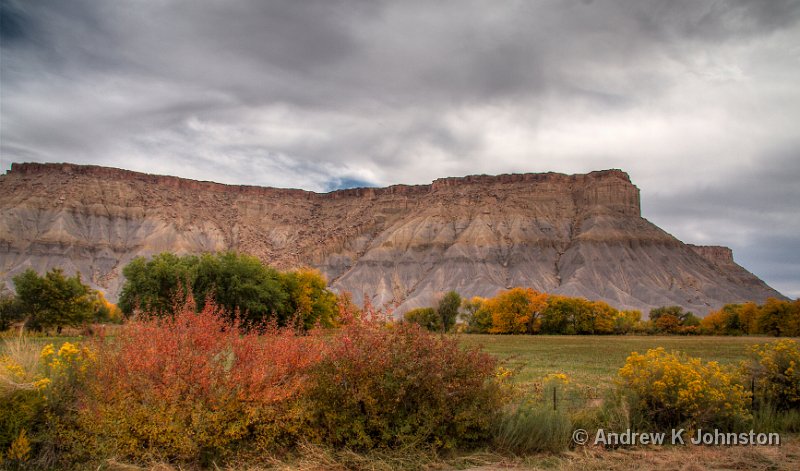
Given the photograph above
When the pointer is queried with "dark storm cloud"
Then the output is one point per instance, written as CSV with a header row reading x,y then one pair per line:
x,y
696,99
13,22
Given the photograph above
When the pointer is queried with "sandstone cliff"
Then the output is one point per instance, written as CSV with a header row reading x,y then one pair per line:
x,y
580,235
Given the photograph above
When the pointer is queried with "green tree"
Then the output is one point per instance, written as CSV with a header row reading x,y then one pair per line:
x,y
476,315
53,300
156,285
557,317
10,308
425,317
581,316
690,320
243,286
447,310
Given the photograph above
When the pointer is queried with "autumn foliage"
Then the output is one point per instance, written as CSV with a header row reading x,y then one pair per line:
x,y
775,372
672,390
517,311
774,317
398,385
526,311
193,387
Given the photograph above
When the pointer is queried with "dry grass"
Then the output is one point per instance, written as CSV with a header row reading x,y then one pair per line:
x,y
310,457
18,354
668,458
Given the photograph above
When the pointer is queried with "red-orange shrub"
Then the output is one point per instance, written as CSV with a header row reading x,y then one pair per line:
x,y
193,387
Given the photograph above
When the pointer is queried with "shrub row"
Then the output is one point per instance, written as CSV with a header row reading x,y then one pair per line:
x,y
659,391
193,388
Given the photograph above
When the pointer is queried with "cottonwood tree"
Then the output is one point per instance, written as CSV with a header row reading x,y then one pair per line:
x,y
53,300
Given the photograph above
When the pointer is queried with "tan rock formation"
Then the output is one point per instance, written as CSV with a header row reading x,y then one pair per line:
x,y
580,235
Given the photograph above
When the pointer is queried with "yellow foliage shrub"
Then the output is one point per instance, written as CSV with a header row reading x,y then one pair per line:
x,y
776,372
672,390
20,448
37,391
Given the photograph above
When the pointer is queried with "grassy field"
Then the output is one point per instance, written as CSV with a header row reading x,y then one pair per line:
x,y
593,361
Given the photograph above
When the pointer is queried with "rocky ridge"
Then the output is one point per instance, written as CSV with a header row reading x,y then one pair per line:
x,y
579,235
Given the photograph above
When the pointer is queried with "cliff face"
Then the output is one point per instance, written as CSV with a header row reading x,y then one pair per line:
x,y
580,235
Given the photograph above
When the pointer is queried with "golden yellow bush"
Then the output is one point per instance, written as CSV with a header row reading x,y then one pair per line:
x,y
776,372
671,389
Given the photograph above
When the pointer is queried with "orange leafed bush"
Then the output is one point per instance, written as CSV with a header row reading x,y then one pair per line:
x,y
193,386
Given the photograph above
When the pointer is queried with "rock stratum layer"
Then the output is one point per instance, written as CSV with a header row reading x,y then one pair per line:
x,y
578,235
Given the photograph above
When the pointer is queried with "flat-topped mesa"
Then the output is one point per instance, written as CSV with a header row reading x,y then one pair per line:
x,y
611,189
576,235
715,254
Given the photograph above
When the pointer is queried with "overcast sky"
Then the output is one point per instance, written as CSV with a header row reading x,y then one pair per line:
x,y
699,101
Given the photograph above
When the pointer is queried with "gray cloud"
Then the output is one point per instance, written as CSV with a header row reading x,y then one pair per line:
x,y
696,99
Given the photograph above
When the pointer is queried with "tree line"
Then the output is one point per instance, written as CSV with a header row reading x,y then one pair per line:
x,y
255,293
779,318
527,311
241,285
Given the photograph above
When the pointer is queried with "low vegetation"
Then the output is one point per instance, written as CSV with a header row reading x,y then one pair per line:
x,y
196,388
398,386
672,390
268,366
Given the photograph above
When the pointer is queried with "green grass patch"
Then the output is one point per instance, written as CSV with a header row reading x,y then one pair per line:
x,y
593,361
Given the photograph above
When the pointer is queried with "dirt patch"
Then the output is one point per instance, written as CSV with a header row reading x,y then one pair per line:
x,y
689,458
